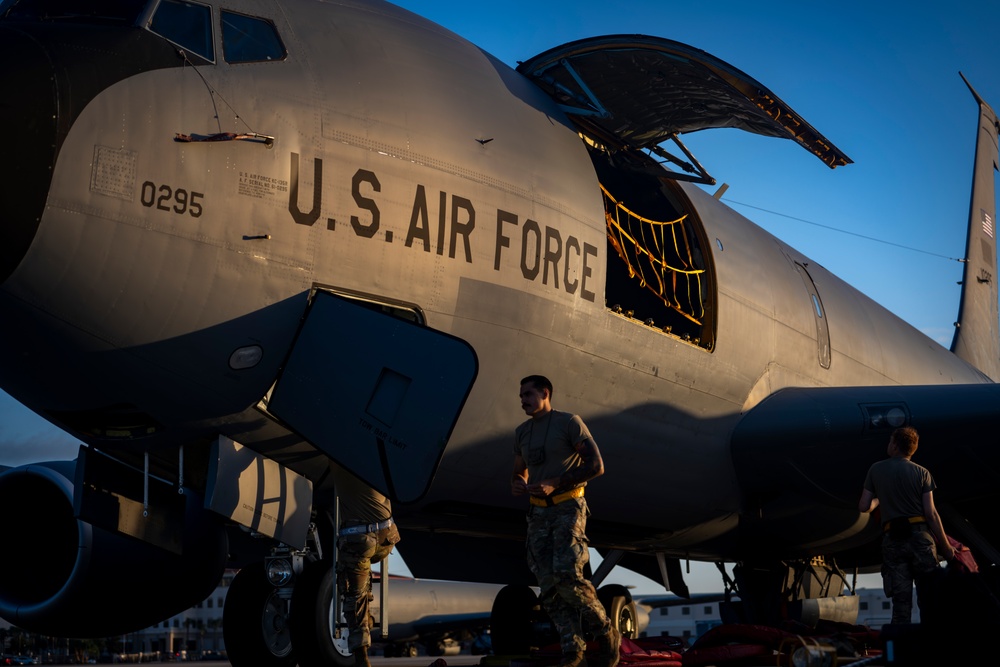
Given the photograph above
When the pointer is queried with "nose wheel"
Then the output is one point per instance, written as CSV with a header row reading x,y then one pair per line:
x,y
255,622
311,622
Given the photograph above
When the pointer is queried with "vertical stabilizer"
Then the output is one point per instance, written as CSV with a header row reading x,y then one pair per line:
x,y
977,339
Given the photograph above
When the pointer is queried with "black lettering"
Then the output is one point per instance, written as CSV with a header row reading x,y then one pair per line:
x,y
571,244
552,256
502,241
419,224
181,197
530,227
312,216
365,176
147,197
161,201
196,204
442,207
187,202
461,228
588,251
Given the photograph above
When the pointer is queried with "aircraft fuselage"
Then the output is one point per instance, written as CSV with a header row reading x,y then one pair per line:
x,y
408,166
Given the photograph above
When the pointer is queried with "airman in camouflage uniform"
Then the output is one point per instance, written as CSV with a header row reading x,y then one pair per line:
x,y
554,457
910,521
367,534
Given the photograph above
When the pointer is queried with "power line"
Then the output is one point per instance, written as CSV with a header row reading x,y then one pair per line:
x,y
844,231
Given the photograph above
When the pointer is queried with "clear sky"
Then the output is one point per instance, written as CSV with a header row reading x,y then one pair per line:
x,y
878,79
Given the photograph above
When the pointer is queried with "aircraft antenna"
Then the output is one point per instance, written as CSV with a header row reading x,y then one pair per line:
x,y
217,95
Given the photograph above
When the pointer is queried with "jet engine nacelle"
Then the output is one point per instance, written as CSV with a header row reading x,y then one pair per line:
x,y
64,576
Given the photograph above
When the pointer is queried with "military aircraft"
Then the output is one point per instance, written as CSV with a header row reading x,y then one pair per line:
x,y
435,615
246,240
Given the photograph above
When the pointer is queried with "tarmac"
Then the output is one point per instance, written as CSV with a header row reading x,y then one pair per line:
x,y
908,646
462,660
465,660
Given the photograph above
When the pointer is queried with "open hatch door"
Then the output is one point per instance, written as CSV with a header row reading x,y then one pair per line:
x,y
635,92
378,394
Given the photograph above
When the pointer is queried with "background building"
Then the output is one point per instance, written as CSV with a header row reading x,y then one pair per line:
x,y
690,621
190,634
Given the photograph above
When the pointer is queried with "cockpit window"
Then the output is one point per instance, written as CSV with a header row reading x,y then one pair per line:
x,y
186,24
246,39
105,12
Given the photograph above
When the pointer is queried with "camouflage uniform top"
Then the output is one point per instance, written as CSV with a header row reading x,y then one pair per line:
x,y
548,444
899,484
359,503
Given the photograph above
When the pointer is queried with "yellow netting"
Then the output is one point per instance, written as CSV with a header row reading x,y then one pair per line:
x,y
660,255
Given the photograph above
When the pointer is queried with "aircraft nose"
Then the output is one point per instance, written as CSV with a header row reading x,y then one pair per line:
x,y
28,122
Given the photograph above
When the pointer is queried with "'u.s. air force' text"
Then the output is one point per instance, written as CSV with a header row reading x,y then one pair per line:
x,y
544,254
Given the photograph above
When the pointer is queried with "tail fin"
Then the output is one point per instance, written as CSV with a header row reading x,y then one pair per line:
x,y
977,339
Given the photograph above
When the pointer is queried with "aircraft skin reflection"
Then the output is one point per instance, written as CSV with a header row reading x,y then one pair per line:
x,y
334,231
437,615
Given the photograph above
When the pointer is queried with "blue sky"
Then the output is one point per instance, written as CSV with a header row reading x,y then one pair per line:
x,y
878,79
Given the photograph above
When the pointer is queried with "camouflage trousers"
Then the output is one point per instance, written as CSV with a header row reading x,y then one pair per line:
x,y
355,555
905,561
557,555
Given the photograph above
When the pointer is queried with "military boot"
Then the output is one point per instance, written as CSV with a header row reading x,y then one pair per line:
x,y
608,646
361,657
573,660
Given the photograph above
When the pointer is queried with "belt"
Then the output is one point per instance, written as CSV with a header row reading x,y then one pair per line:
x,y
365,528
909,519
549,501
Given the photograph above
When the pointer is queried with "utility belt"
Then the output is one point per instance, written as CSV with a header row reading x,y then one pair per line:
x,y
365,528
903,526
549,501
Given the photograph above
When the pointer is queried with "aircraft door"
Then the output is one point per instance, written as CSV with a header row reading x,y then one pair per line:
x,y
378,394
822,329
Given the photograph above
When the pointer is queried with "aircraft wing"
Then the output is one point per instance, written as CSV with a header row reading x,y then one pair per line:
x,y
642,91
657,601
431,611
816,444
450,623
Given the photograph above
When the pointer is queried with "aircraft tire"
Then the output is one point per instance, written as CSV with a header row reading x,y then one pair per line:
x,y
310,620
620,608
255,622
510,620
443,647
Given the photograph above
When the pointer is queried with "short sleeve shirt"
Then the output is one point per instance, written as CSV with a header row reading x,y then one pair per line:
x,y
900,485
548,444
